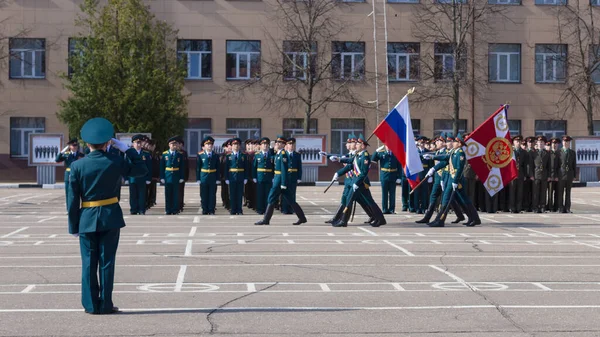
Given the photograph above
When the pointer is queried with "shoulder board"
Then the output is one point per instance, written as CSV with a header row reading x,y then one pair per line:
x,y
68,152
282,152
366,153
382,150
201,152
257,152
145,151
459,150
166,152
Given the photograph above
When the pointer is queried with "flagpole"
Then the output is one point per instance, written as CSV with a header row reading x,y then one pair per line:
x,y
408,92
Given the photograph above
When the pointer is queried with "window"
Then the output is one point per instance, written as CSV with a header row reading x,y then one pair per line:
x,y
341,128
27,58
445,125
416,126
198,56
550,2
550,63
295,126
452,1
595,2
403,61
443,57
76,46
244,128
596,127
348,60
404,1
504,2
504,62
20,128
243,60
298,59
514,126
195,131
595,62
550,128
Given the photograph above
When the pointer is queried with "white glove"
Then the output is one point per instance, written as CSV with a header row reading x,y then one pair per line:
x,y
454,186
283,187
76,235
334,158
298,181
427,156
147,182
430,172
335,176
65,149
227,182
180,181
322,153
442,185
245,181
198,181
254,180
380,148
344,157
354,187
430,180
398,181
162,181
120,145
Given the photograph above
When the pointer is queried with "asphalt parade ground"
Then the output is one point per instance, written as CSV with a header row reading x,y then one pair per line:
x,y
193,275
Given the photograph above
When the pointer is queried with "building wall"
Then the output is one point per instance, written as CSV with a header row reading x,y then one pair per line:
x,y
222,20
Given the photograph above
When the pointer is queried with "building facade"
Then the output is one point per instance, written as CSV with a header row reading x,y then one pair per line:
x,y
225,41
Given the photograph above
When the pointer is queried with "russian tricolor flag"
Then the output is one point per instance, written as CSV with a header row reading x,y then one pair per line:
x,y
396,132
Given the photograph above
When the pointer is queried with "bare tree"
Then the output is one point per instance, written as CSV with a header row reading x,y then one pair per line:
x,y
576,23
454,28
303,67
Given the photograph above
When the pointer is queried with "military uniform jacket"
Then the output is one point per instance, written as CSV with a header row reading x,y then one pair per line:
x,y
207,167
294,167
541,164
389,166
68,157
171,166
456,165
530,165
98,177
185,171
147,160
360,168
281,168
223,165
568,164
237,167
522,161
263,167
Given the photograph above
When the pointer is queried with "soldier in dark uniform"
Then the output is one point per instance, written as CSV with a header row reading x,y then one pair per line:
x,y
541,167
280,185
237,176
94,212
155,173
138,185
185,173
294,176
516,186
388,177
171,167
263,175
552,203
528,185
207,175
223,175
69,155
568,165
250,187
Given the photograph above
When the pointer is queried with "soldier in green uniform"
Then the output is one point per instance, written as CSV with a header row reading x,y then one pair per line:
x,y
151,201
295,174
541,167
69,155
185,172
280,185
347,186
568,165
516,186
552,203
421,200
223,174
263,175
207,175
137,185
388,177
237,176
171,168
94,212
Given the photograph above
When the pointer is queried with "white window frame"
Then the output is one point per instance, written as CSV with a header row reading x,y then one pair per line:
x,y
24,150
498,55
342,140
22,53
397,57
504,2
554,56
293,56
550,2
444,70
202,132
353,64
188,53
238,56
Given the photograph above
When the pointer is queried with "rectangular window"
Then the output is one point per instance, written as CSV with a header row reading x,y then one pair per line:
x,y
550,63
403,61
295,126
445,125
341,128
451,1
504,63
76,48
550,128
244,128
27,58
198,56
514,126
595,62
596,127
298,59
348,60
194,132
404,1
416,126
243,60
504,2
443,57
595,2
550,2
20,128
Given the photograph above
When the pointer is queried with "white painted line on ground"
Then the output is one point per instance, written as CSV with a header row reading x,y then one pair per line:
x,y
326,210
449,274
399,248
188,248
196,219
193,231
14,232
587,244
180,278
50,218
368,231
28,288
436,242
397,286
541,286
241,242
539,232
490,219
324,287
38,243
140,242
251,287
419,234
585,217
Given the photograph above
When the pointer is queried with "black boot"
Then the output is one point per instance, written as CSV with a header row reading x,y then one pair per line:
x,y
428,214
268,215
458,210
337,215
343,221
474,216
379,217
300,213
440,219
367,210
